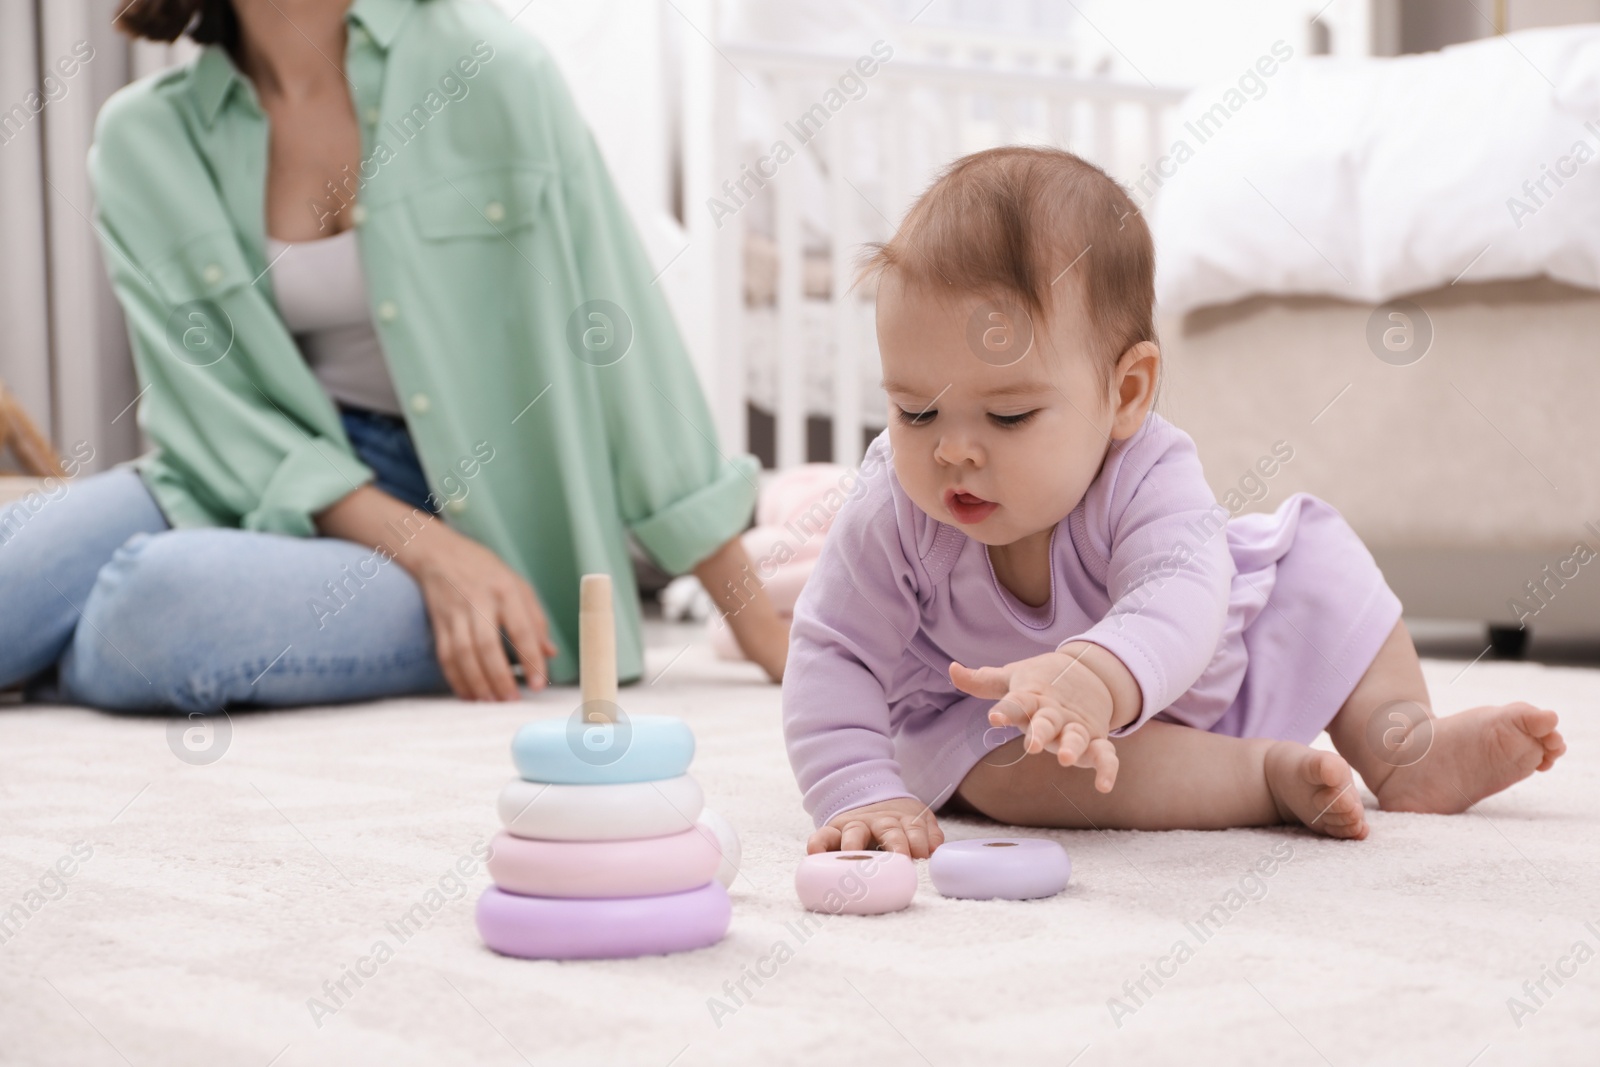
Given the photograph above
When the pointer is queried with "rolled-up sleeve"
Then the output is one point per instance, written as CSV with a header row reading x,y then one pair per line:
x,y
312,474
682,533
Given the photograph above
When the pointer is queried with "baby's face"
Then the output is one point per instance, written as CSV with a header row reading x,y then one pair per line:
x,y
997,441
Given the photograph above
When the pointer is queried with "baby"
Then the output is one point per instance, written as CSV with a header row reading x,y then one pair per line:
x,y
1031,562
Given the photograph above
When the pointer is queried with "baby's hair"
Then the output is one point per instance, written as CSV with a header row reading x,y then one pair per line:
x,y
1017,220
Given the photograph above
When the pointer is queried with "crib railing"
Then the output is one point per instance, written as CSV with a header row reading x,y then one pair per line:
x,y
876,153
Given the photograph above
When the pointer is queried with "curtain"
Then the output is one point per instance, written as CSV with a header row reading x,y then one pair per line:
x,y
63,346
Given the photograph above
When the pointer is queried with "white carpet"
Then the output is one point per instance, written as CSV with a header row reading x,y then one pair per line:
x,y
218,900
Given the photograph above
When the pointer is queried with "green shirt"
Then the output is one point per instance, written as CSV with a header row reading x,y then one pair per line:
x,y
546,387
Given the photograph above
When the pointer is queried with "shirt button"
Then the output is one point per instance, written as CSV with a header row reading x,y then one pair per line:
x,y
358,214
494,211
359,35
456,507
420,403
213,273
372,116
387,311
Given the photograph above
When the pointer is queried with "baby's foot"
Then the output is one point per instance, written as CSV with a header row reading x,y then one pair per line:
x,y
1315,788
1474,754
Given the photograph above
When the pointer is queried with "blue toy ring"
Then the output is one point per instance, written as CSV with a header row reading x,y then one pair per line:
x,y
603,747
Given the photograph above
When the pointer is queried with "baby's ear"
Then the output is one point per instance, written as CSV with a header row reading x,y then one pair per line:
x,y
1134,387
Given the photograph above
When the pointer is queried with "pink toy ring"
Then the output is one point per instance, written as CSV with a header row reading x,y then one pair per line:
x,y
1008,868
561,928
856,883
638,867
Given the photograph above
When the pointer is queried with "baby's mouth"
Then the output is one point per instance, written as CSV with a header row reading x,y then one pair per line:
x,y
967,508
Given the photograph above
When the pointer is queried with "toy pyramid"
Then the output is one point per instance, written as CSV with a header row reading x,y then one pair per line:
x,y
608,850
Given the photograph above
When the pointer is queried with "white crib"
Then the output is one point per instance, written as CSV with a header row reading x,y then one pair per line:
x,y
774,316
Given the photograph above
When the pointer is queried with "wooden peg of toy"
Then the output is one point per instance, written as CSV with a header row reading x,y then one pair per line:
x,y
597,641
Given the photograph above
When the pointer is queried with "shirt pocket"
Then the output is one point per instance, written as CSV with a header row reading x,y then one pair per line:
x,y
484,203
206,267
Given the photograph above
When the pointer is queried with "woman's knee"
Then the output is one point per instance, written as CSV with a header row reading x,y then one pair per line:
x,y
200,619
53,543
97,510
137,645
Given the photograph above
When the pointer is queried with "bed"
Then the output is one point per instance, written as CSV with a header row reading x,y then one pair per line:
x,y
1470,473
1409,297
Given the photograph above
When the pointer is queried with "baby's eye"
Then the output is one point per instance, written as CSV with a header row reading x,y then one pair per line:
x,y
1014,420
917,418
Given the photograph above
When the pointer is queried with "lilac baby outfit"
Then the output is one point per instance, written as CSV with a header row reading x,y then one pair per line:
x,y
1254,626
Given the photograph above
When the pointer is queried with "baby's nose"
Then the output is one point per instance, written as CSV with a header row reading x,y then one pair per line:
x,y
957,448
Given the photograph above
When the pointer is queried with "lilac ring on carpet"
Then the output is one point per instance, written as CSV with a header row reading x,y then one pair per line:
x,y
564,928
1007,868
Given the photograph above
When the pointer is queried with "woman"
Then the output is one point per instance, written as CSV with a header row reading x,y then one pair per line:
x,y
373,269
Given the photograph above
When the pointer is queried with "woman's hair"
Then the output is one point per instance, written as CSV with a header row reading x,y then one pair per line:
x,y
206,21
1016,220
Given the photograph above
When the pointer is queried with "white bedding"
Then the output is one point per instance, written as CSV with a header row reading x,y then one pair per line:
x,y
1369,178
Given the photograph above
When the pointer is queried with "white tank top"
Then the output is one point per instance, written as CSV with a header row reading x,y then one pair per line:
x,y
322,295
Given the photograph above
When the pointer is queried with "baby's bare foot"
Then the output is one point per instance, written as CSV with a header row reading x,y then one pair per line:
x,y
1474,754
1315,788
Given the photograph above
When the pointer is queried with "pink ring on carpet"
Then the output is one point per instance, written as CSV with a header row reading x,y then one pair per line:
x,y
562,928
636,867
856,883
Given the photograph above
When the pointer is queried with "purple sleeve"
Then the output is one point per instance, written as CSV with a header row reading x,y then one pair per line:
x,y
1170,571
854,620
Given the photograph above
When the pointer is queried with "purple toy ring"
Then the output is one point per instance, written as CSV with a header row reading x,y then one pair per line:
x,y
1010,868
570,928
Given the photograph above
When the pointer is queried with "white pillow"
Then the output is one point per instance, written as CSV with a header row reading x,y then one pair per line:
x,y
1369,178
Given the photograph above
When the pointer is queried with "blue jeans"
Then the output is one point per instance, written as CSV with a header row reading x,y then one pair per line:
x,y
135,615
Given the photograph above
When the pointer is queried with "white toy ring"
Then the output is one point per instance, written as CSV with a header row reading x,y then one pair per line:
x,y
610,812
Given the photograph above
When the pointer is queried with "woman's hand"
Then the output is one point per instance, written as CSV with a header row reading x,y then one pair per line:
x,y
900,825
470,593
471,596
1061,703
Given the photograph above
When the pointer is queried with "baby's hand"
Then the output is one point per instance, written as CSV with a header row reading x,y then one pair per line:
x,y
1060,703
900,825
